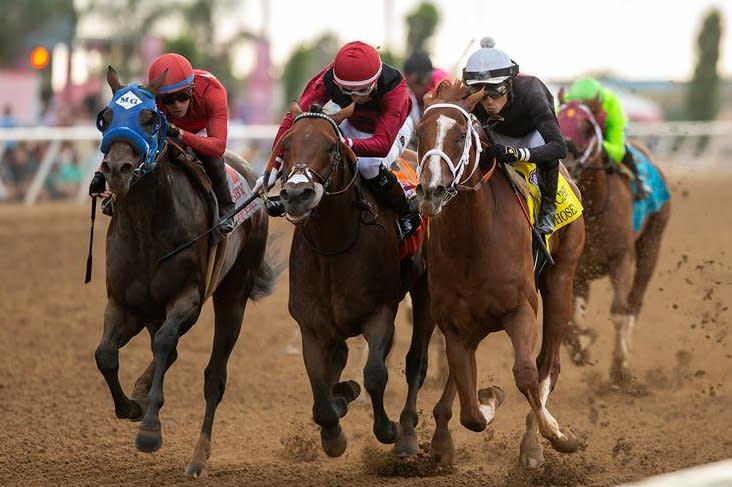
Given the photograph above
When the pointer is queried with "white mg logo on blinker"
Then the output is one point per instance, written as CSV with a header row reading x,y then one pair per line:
x,y
128,100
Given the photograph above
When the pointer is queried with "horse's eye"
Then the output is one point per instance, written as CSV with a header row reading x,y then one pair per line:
x,y
107,118
146,119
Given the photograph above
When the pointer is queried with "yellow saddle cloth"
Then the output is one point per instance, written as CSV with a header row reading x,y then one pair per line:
x,y
569,207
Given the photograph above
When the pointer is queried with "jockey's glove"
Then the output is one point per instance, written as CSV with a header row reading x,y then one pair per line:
x,y
98,184
173,131
503,153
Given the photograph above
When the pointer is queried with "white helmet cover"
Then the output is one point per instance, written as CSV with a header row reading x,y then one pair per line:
x,y
489,65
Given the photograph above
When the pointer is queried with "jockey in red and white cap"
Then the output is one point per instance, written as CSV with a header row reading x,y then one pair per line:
x,y
194,102
379,129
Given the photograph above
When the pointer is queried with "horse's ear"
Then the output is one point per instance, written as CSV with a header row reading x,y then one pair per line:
x,y
343,114
154,85
295,109
348,152
562,95
113,79
473,99
595,105
444,85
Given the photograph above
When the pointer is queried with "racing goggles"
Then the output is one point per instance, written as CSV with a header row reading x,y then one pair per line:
x,y
181,96
491,91
359,92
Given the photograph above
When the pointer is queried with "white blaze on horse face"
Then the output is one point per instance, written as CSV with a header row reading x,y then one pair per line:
x,y
444,124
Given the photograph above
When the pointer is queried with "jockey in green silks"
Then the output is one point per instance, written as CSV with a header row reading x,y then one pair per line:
x,y
589,89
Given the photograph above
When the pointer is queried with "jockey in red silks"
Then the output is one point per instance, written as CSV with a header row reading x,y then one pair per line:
x,y
379,129
422,78
193,101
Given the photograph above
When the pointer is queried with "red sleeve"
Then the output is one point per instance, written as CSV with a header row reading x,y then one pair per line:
x,y
314,92
395,107
217,112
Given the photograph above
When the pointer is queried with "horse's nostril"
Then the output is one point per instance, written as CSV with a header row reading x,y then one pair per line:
x,y
284,195
126,168
439,191
308,194
420,191
104,167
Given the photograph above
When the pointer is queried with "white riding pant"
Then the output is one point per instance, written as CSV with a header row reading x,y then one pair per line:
x,y
532,139
369,166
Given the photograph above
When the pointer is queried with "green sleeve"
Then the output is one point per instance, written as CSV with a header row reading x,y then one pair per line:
x,y
614,143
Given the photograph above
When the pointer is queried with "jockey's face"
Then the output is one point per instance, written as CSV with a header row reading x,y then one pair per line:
x,y
493,106
177,103
178,109
418,83
359,95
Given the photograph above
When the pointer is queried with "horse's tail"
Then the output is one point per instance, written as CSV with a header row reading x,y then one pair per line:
x,y
267,273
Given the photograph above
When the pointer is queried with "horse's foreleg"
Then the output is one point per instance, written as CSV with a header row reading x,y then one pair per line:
x,y
180,317
621,276
416,370
461,358
379,333
229,311
646,251
318,364
119,328
442,449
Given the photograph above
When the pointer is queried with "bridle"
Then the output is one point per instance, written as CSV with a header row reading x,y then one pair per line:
x,y
336,160
594,147
458,170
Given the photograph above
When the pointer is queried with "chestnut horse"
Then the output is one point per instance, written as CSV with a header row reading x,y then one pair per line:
x,y
154,213
481,277
345,279
613,247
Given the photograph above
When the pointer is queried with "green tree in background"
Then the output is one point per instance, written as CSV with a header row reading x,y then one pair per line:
x,y
305,62
25,24
702,100
421,25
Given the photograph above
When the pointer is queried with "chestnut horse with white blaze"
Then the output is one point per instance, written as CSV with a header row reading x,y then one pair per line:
x,y
346,279
481,276
614,248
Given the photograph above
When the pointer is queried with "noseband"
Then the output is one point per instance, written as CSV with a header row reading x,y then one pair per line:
x,y
308,175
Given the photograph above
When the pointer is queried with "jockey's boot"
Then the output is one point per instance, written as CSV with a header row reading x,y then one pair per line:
x,y
386,189
642,189
216,170
548,175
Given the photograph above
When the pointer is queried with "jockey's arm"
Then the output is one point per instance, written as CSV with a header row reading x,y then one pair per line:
x,y
213,144
614,143
395,107
546,124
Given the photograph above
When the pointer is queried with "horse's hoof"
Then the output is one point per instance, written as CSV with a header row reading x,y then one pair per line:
x,y
492,396
442,450
387,435
148,441
531,454
196,471
566,443
348,390
333,441
620,375
406,444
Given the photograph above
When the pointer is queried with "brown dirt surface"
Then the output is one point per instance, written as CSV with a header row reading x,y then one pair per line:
x,y
59,428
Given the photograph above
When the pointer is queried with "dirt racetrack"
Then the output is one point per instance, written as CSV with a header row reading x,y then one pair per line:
x,y
58,424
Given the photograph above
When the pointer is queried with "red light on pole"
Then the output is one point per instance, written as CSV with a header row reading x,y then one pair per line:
x,y
39,57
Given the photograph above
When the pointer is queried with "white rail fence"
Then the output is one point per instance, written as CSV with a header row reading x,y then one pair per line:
x,y
686,145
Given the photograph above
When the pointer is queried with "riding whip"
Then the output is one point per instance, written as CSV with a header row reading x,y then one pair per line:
x,y
87,279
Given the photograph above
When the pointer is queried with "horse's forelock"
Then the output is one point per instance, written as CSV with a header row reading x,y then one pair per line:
x,y
449,90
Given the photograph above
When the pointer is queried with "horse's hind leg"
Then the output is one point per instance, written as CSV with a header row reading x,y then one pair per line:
x,y
180,317
229,311
416,369
621,276
318,363
119,328
379,333
646,252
